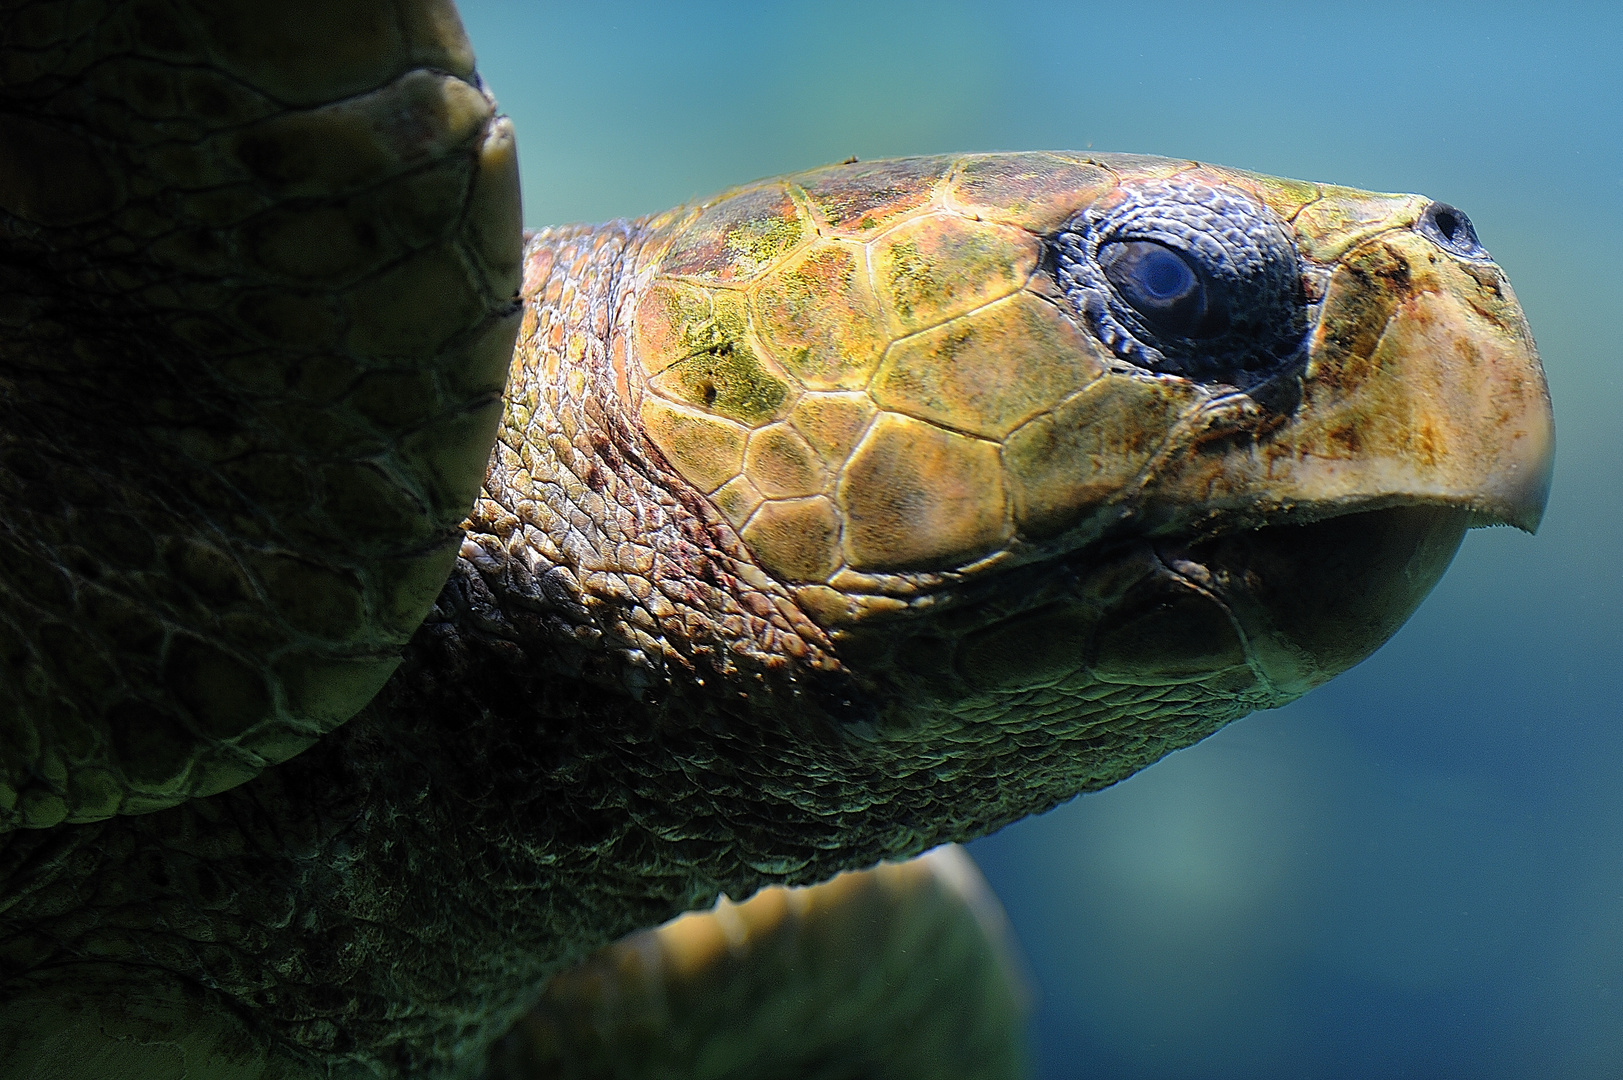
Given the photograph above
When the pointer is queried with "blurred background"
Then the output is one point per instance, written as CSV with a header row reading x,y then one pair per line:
x,y
1416,871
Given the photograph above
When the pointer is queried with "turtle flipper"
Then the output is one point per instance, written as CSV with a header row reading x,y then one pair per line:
x,y
901,970
257,276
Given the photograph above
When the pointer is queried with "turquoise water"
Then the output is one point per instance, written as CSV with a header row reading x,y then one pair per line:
x,y
1416,871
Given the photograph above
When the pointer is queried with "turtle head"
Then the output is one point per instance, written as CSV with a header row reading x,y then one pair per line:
x,y
1030,433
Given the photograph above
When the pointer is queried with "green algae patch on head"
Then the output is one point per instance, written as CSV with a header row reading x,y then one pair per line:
x,y
729,380
674,321
941,266
1037,192
861,199
739,236
819,316
989,371
720,369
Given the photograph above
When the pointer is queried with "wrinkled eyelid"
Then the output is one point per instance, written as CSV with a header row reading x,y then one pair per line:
x,y
1242,320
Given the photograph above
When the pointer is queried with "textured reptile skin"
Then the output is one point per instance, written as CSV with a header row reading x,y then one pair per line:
x,y
584,538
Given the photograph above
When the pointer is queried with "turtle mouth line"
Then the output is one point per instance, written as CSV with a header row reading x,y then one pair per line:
x,y
1305,599
1252,616
1477,513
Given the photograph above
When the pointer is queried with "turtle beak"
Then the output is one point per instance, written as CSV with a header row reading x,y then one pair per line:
x,y
1421,386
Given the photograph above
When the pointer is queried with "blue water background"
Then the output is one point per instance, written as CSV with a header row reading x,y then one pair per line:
x,y
1416,871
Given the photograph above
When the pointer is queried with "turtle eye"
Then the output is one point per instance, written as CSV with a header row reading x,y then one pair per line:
x,y
1180,276
1159,283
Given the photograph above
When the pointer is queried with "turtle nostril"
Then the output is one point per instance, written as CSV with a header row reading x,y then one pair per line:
x,y
1450,230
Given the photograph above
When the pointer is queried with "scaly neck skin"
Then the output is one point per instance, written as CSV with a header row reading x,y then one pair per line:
x,y
584,542
393,897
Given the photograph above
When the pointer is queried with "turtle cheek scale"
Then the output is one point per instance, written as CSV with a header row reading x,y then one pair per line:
x,y
1248,620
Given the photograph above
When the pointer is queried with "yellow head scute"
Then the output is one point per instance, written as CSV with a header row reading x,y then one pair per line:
x,y
941,266
819,317
1283,196
737,499
1344,217
707,450
737,237
798,538
1036,192
675,320
917,496
862,199
781,463
1077,457
832,423
989,371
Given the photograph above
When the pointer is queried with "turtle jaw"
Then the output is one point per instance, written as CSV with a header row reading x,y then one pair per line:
x,y
1306,600
1422,386
1258,616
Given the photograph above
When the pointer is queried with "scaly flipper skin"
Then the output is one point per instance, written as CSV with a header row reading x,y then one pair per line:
x,y
902,970
829,520
258,265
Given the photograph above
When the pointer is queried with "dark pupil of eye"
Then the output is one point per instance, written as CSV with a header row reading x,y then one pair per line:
x,y
1163,275
1447,224
1161,286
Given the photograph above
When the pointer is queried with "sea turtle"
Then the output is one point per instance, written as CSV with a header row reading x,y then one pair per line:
x,y
828,519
